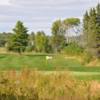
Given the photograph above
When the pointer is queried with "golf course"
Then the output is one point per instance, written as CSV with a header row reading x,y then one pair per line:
x,y
49,50
57,63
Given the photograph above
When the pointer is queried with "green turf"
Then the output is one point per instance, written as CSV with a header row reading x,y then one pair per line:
x,y
39,62
88,77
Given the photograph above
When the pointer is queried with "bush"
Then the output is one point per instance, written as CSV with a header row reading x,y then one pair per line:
x,y
29,48
87,57
73,49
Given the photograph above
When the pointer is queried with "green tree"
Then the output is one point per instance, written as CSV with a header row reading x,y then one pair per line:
x,y
57,28
98,30
48,46
4,38
71,25
19,40
40,41
71,22
58,36
85,29
92,30
31,42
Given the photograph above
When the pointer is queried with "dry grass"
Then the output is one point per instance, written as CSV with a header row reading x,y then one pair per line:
x,y
35,85
95,62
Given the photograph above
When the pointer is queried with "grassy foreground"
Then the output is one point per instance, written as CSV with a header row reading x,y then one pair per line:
x,y
60,78
35,85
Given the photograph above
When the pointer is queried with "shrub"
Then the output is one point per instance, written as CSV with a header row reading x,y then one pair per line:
x,y
29,48
73,49
87,57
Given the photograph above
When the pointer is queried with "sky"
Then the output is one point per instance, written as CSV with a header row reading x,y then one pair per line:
x,y
39,15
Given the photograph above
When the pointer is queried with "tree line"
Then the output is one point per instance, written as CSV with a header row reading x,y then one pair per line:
x,y
87,37
20,41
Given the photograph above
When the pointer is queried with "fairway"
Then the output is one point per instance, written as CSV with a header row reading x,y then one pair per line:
x,y
39,62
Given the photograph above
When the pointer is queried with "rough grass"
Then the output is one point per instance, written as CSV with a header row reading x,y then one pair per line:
x,y
35,85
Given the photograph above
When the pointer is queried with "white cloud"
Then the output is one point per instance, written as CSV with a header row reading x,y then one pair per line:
x,y
52,3
4,2
39,14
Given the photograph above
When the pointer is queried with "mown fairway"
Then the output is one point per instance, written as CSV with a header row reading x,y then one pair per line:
x,y
39,62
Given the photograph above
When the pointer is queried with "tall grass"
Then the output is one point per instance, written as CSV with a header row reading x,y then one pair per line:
x,y
35,85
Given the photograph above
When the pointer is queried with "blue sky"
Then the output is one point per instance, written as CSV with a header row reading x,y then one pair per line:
x,y
39,14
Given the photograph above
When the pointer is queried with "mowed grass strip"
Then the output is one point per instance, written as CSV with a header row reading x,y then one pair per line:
x,y
39,62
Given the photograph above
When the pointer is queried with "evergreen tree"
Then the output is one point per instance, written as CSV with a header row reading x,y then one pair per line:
x,y
92,30
19,40
85,25
98,31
